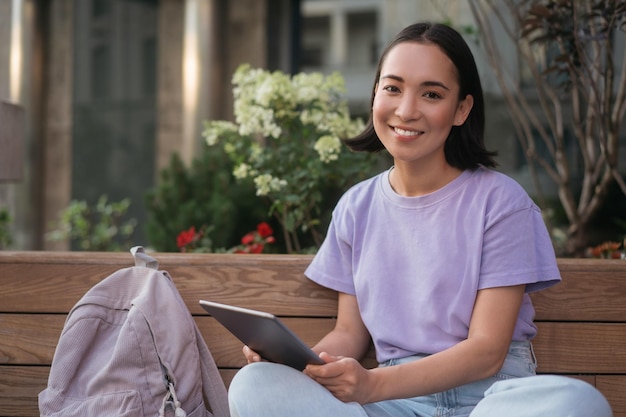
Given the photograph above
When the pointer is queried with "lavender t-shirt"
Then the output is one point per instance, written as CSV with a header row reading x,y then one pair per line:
x,y
415,264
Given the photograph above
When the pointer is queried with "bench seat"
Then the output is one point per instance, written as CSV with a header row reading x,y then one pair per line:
x,y
582,321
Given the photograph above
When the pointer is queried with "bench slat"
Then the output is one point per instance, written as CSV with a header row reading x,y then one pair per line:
x,y
55,286
19,388
52,288
20,385
591,290
248,281
30,339
581,348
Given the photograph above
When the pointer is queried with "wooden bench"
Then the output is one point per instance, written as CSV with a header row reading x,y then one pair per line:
x,y
582,322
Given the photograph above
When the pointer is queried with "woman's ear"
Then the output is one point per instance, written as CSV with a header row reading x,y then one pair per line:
x,y
463,110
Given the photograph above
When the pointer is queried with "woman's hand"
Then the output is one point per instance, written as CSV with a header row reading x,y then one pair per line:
x,y
251,355
344,377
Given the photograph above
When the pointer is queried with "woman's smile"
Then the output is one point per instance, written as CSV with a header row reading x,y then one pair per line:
x,y
404,134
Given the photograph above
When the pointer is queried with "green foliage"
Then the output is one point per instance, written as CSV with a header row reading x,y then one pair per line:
x,y
204,196
96,228
287,142
5,221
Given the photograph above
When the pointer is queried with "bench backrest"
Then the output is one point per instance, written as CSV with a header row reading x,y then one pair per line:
x,y
582,322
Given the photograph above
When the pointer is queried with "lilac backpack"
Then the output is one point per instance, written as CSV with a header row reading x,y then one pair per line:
x,y
130,347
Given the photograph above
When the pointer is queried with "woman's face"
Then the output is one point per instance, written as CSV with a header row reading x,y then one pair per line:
x,y
416,103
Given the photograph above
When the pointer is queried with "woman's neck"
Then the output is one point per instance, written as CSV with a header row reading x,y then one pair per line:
x,y
411,181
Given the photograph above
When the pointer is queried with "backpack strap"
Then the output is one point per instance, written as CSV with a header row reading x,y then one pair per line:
x,y
171,399
143,259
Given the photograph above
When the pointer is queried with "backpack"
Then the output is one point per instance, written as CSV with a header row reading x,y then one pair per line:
x,y
130,348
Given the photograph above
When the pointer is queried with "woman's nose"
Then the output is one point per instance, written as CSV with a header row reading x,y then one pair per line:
x,y
407,109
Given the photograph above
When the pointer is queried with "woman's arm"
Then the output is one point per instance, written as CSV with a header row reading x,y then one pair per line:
x,y
349,338
479,356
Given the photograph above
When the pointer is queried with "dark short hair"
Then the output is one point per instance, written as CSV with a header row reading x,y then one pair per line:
x,y
465,147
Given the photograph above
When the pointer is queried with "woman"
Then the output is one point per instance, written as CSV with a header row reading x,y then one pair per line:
x,y
433,260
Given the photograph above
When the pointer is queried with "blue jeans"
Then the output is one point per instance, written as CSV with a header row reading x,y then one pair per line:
x,y
266,389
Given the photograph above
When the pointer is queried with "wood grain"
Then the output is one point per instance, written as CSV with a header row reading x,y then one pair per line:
x,y
614,388
29,339
581,348
19,388
591,290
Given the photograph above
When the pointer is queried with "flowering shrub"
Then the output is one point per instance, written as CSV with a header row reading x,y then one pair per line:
x,y
286,141
203,192
192,240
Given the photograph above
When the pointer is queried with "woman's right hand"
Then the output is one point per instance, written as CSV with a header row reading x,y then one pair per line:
x,y
251,355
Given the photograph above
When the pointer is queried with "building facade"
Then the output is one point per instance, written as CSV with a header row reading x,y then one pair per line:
x,y
112,88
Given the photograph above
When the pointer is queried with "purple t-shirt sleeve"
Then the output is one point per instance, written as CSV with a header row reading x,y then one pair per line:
x,y
517,250
333,262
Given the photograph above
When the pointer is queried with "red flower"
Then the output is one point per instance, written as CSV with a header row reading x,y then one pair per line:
x,y
606,250
596,252
255,241
186,237
247,239
264,229
255,248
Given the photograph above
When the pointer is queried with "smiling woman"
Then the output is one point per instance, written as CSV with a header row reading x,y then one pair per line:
x,y
451,338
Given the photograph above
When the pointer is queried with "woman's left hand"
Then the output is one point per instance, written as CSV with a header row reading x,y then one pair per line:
x,y
344,377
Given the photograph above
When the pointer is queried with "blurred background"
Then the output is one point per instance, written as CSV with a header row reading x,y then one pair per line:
x,y
98,95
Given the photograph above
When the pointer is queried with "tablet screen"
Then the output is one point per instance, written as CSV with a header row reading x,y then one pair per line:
x,y
264,333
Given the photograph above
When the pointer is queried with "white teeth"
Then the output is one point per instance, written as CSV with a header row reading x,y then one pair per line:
x,y
406,132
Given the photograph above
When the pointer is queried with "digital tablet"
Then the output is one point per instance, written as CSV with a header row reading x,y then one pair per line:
x,y
264,333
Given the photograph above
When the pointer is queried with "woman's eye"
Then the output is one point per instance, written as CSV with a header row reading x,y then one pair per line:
x,y
391,88
432,95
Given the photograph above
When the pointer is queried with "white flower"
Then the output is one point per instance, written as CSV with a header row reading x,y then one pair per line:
x,y
328,148
307,86
254,119
265,184
213,130
274,90
242,171
312,116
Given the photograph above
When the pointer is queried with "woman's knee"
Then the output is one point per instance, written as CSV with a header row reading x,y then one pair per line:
x,y
265,389
255,378
258,383
538,395
583,399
